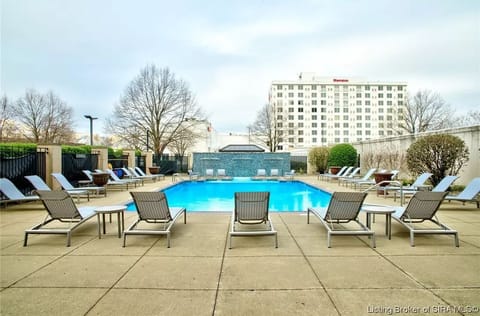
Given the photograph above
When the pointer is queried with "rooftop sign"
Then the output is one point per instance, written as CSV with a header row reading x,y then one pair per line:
x,y
340,80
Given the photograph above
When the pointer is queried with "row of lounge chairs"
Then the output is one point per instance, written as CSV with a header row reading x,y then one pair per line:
x,y
221,174
134,176
251,209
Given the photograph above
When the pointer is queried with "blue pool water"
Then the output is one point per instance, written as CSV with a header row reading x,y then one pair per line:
x,y
215,196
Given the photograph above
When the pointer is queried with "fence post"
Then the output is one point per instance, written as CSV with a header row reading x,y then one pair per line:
x,y
148,160
131,157
53,164
102,157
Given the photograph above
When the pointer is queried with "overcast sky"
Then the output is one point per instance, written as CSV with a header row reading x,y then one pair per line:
x,y
229,52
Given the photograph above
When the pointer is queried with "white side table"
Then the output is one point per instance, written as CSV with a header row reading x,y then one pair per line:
x,y
379,209
111,209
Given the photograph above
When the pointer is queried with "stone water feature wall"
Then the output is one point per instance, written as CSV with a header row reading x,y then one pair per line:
x,y
241,164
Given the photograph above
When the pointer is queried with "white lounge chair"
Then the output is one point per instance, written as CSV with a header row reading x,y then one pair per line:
x,y
416,185
193,175
130,173
155,176
261,173
365,179
39,184
323,176
442,186
274,172
469,194
343,208
351,175
251,208
117,180
13,194
60,207
66,185
209,173
341,173
423,207
289,174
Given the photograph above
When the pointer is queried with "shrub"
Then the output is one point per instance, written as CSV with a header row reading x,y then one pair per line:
x,y
342,155
440,155
318,157
82,149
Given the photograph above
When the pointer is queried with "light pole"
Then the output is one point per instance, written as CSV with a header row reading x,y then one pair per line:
x,y
91,118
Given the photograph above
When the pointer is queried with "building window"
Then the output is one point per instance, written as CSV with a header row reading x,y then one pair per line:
x,y
279,94
291,125
279,87
300,102
359,102
300,117
314,117
314,132
300,94
314,94
290,94
300,124
300,132
290,102
399,88
380,102
279,117
290,87
300,110
300,140
389,88
291,117
389,95
314,125
314,102
314,87
300,87
380,95
279,124
380,88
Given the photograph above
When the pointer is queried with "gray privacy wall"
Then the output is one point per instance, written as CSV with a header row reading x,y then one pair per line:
x,y
241,164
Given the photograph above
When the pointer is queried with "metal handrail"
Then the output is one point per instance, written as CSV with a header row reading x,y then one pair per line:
x,y
377,185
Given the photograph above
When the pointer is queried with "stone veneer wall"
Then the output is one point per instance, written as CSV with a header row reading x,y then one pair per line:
x,y
241,164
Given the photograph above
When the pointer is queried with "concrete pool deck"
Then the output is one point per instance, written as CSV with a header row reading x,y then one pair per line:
x,y
199,275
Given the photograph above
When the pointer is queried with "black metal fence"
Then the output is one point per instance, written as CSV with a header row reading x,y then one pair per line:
x,y
73,164
17,162
299,163
171,164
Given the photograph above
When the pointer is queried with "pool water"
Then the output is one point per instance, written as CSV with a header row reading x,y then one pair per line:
x,y
218,196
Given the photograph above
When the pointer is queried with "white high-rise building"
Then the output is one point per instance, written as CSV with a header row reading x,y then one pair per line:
x,y
317,111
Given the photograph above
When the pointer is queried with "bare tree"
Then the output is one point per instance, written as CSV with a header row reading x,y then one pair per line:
x,y
471,118
265,129
7,125
46,117
426,111
158,103
184,140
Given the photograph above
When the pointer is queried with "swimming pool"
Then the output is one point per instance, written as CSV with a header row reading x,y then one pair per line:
x,y
217,196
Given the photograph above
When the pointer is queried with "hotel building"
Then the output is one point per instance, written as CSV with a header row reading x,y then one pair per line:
x,y
318,111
